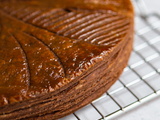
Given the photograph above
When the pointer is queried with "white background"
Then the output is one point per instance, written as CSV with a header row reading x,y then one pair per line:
x,y
151,109
153,5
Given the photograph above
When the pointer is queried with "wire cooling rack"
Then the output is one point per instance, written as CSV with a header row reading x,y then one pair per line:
x,y
140,81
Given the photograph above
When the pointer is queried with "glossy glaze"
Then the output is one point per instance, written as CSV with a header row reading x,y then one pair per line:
x,y
45,45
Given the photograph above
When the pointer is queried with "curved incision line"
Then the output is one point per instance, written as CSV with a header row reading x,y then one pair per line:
x,y
27,22
90,35
69,32
26,60
82,28
42,43
45,15
55,55
50,30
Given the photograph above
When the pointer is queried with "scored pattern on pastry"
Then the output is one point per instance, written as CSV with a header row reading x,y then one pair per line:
x,y
56,57
93,26
102,29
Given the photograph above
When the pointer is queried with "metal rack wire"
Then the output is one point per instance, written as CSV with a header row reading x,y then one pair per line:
x,y
140,80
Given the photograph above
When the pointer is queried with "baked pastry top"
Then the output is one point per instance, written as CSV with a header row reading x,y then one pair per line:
x,y
50,46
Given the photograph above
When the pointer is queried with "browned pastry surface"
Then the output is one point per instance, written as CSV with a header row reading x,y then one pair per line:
x,y
58,55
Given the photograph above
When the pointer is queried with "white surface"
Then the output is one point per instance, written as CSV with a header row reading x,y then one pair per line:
x,y
153,5
151,109
147,111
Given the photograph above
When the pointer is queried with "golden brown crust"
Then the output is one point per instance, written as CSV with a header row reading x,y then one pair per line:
x,y
49,47
121,6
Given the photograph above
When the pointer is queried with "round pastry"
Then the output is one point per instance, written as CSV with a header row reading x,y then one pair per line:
x,y
58,55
